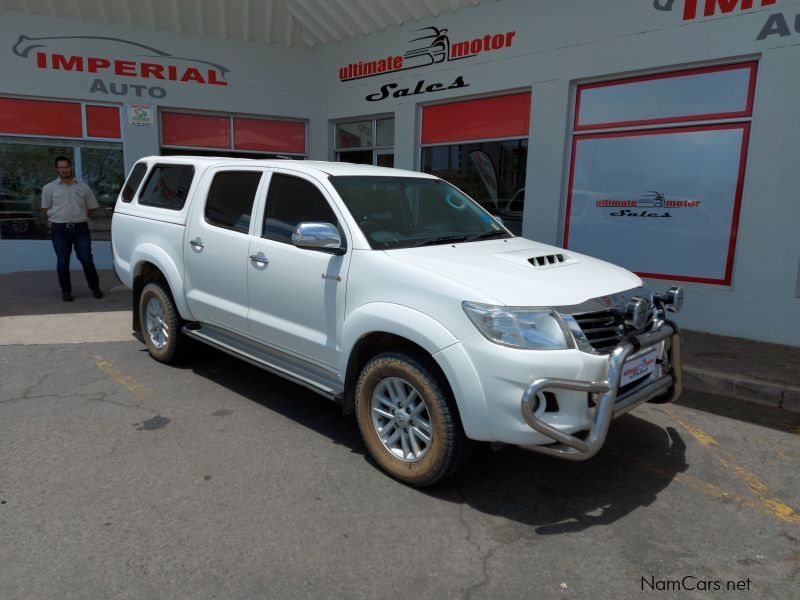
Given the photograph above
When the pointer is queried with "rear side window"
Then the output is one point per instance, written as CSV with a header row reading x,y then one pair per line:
x,y
167,186
134,179
292,201
230,199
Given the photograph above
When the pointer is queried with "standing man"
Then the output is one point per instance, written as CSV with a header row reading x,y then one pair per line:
x,y
69,204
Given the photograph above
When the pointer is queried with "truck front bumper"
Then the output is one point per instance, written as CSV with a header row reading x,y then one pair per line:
x,y
609,404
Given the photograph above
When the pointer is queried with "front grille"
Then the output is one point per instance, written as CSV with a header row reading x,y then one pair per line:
x,y
605,328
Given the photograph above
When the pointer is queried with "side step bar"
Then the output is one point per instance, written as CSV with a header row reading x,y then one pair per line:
x,y
278,363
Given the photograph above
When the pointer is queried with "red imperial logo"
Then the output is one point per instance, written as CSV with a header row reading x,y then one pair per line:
x,y
127,68
199,72
433,47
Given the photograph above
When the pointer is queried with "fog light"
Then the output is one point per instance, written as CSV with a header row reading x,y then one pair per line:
x,y
672,299
636,311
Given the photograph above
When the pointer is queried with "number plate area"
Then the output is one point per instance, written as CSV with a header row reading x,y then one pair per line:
x,y
639,367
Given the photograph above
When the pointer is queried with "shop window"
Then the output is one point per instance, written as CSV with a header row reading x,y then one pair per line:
x,y
269,135
226,135
202,131
492,173
26,165
40,117
699,94
167,186
480,119
368,141
292,201
460,145
663,202
230,199
102,121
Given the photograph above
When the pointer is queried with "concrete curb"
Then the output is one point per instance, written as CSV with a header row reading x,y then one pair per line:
x,y
729,385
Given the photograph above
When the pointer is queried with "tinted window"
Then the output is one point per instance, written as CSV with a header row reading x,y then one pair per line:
x,y
291,201
167,186
134,179
230,199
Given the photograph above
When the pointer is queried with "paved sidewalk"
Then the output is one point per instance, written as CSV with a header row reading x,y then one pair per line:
x,y
744,369
32,312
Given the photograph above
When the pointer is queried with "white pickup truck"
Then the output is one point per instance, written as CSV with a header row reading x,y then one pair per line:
x,y
396,295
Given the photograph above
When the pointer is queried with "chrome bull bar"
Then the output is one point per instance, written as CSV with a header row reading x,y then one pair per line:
x,y
573,448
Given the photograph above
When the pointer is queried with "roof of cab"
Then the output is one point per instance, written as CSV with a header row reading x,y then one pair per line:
x,y
315,167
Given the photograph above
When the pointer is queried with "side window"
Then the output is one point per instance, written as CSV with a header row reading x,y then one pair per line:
x,y
230,199
292,201
134,179
167,186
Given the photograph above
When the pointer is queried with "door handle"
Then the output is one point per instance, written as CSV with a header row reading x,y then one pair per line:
x,y
259,258
197,243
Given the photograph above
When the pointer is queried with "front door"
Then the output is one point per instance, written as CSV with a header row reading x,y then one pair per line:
x,y
218,239
296,295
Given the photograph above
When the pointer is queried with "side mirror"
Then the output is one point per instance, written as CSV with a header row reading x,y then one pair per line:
x,y
320,236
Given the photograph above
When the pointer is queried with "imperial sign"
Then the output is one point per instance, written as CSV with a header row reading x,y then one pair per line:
x,y
159,65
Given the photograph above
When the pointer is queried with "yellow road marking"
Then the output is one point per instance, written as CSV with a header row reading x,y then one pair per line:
x,y
766,502
136,388
691,480
782,455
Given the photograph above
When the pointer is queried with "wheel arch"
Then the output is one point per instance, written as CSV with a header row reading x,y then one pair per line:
x,y
153,264
381,327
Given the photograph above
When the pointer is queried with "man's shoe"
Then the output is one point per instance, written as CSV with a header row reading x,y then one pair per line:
x,y
67,297
97,293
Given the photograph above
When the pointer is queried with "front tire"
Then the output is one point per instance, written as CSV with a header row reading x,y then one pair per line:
x,y
408,420
161,323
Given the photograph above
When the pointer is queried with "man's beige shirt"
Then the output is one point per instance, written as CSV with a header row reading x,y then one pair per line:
x,y
68,202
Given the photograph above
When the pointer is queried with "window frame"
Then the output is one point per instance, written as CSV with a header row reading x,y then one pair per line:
x,y
260,230
231,148
254,206
693,123
751,65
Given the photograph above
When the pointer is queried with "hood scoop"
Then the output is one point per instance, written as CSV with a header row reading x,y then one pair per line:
x,y
546,261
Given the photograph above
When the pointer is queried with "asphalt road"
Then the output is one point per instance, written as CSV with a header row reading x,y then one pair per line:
x,y
124,478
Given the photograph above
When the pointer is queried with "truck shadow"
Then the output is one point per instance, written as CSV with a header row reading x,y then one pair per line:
x,y
553,496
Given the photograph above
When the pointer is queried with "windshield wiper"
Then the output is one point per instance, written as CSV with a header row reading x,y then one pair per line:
x,y
485,235
442,239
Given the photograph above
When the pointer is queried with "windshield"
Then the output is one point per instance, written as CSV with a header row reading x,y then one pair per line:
x,y
402,212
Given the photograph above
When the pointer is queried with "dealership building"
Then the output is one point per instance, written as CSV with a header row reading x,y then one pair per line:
x,y
661,135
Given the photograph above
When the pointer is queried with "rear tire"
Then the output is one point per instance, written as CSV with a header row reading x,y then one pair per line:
x,y
408,420
161,323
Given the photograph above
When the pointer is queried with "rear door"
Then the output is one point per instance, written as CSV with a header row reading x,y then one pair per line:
x,y
217,243
297,295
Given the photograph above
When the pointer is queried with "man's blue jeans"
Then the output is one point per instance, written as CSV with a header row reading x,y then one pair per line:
x,y
65,236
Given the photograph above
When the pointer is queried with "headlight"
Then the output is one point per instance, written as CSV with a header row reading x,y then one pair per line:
x,y
519,326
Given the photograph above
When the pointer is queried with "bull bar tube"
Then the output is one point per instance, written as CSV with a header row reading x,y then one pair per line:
x,y
573,448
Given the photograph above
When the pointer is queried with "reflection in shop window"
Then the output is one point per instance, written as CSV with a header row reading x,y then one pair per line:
x,y
104,172
24,169
27,165
368,142
492,173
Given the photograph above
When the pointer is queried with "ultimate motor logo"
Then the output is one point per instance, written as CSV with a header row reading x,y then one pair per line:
x,y
430,45
649,200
